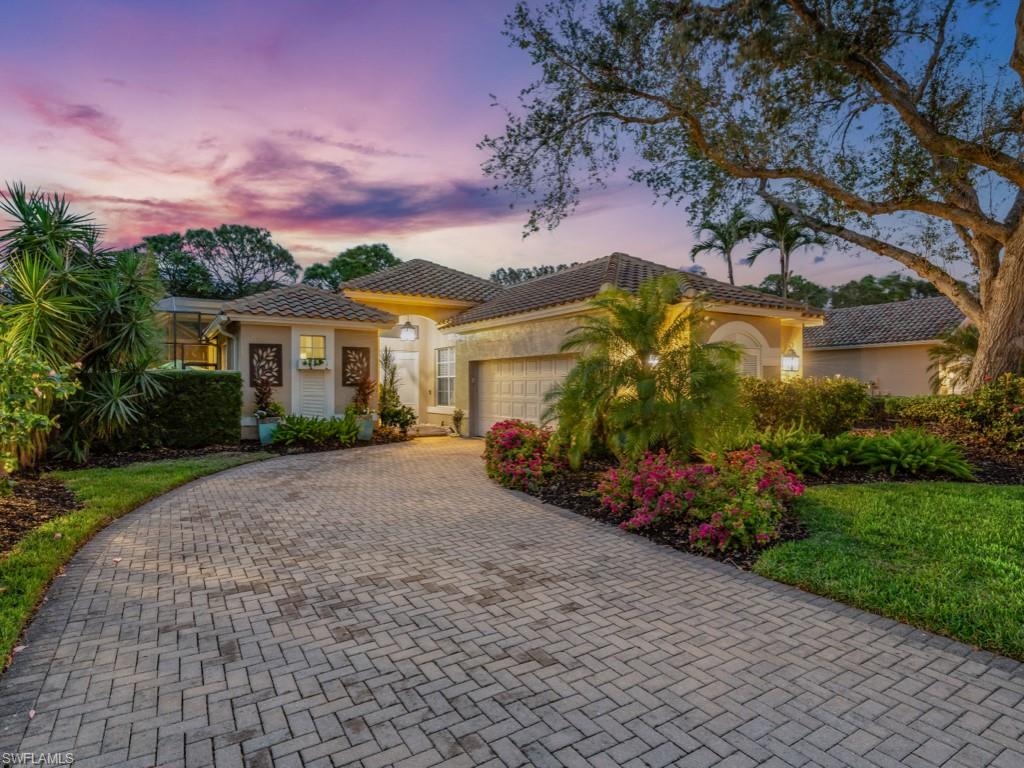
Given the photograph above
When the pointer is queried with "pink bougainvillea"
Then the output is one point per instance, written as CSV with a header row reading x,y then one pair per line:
x,y
731,502
517,454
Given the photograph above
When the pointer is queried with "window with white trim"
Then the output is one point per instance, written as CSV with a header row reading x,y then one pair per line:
x,y
312,347
445,373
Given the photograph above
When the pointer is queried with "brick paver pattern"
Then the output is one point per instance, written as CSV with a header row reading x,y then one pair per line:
x,y
392,606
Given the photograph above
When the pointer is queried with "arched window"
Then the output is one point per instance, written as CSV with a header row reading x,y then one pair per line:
x,y
751,342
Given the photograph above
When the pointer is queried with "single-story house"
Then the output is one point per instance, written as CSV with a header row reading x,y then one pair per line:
x,y
885,345
465,343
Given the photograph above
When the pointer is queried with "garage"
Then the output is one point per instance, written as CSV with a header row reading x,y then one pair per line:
x,y
514,388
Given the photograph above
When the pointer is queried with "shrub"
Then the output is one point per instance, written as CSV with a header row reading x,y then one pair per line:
x,y
315,432
733,502
400,416
912,452
517,454
266,406
919,410
997,411
195,409
828,406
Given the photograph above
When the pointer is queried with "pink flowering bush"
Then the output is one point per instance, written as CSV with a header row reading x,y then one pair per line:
x,y
732,502
518,455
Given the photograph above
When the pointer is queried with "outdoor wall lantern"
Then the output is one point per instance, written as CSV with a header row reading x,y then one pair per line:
x,y
409,332
790,361
653,360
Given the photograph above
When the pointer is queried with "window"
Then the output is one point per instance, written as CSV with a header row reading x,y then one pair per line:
x,y
312,347
446,376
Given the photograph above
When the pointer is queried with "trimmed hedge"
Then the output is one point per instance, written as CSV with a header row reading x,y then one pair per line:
x,y
828,406
197,408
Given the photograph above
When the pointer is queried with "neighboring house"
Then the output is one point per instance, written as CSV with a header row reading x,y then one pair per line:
x,y
885,345
462,342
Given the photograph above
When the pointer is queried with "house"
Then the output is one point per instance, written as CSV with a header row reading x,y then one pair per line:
x,y
885,345
465,343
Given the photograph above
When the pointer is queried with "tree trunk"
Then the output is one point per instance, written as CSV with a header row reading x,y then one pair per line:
x,y
1001,330
784,272
728,262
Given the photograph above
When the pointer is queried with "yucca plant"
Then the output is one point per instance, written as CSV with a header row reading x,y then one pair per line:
x,y
69,302
644,378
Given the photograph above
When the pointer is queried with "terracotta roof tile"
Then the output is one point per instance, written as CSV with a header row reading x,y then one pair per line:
x,y
585,281
893,323
418,277
306,301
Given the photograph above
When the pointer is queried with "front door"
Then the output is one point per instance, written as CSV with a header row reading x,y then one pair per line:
x,y
408,378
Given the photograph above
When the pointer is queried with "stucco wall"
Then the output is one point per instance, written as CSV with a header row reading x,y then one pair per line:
x,y
264,334
898,370
347,338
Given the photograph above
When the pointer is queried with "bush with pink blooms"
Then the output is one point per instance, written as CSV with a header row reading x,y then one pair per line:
x,y
733,502
517,455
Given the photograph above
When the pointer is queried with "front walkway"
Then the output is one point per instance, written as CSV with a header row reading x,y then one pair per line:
x,y
391,606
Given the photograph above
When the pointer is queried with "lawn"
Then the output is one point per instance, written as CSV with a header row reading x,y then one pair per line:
x,y
106,494
947,557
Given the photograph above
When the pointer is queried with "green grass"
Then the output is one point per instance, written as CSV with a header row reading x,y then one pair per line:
x,y
947,557
106,494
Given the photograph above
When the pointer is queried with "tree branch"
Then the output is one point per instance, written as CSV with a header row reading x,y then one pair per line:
x,y
954,289
1017,57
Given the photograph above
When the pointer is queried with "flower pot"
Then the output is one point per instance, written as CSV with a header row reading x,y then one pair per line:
x,y
267,428
365,422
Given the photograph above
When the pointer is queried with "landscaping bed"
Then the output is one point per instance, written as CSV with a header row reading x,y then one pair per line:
x,y
32,503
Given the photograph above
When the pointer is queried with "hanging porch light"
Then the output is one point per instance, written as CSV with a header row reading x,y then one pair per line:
x,y
408,332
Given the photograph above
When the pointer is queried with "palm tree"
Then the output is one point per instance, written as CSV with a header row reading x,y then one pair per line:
x,y
643,379
783,233
952,359
725,236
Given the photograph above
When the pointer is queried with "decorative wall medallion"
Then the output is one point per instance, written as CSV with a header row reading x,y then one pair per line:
x,y
265,363
355,365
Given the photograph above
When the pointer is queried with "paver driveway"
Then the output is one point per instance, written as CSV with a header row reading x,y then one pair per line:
x,y
391,606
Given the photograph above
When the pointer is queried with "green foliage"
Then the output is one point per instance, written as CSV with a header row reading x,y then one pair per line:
x,y
800,289
829,406
507,276
913,452
266,406
781,231
314,432
643,379
28,389
227,262
392,412
920,410
881,290
195,409
70,303
106,494
946,557
723,236
349,264
458,416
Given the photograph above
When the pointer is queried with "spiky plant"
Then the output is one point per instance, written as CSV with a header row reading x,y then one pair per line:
x,y
644,378
952,358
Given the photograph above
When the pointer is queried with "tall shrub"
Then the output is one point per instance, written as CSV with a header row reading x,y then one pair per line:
x,y
72,302
643,380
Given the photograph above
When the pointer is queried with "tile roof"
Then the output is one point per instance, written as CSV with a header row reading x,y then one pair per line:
x,y
418,277
585,281
893,323
306,301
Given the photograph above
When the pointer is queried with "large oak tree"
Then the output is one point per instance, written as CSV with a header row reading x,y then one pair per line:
x,y
894,126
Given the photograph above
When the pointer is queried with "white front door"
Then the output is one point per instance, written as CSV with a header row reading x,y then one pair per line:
x,y
408,364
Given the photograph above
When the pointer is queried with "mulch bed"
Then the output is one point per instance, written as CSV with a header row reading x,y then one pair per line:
x,y
34,501
575,492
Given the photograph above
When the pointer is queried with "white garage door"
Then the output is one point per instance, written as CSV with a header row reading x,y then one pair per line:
x,y
514,388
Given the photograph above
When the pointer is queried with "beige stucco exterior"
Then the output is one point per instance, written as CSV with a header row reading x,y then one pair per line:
x,y
899,369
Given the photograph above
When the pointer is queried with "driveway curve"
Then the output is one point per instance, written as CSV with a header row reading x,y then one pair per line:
x,y
391,606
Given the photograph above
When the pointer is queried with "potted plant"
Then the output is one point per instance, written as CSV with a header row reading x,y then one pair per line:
x,y
365,418
268,411
457,417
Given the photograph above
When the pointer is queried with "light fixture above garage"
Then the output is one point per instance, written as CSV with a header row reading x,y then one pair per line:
x,y
408,332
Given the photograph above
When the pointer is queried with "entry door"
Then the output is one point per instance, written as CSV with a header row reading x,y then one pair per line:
x,y
408,378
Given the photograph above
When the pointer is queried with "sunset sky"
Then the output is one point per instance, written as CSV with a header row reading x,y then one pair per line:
x,y
329,123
